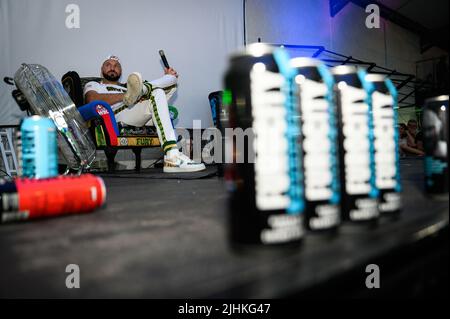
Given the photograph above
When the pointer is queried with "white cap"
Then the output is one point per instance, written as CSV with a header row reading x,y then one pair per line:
x,y
111,57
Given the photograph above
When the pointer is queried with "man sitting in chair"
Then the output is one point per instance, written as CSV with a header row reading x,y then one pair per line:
x,y
140,103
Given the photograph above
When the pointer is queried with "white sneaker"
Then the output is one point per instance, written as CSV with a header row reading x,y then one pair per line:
x,y
134,89
180,163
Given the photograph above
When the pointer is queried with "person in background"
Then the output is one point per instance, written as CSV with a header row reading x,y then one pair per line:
x,y
405,138
415,137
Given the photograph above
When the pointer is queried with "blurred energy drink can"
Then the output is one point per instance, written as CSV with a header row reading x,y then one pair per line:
x,y
386,143
319,143
266,205
38,155
435,133
26,198
359,194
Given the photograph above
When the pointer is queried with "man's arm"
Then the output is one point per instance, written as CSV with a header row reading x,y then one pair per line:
x,y
169,78
419,141
411,150
111,99
411,139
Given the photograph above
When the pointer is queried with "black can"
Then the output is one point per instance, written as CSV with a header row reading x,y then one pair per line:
x,y
264,179
359,194
319,144
9,201
386,143
435,133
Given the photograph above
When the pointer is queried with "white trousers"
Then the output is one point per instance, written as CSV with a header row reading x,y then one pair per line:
x,y
154,111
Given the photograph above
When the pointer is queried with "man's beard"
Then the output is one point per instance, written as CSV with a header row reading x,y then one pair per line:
x,y
111,78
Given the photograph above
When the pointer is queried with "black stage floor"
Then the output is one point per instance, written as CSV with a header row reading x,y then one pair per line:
x,y
164,238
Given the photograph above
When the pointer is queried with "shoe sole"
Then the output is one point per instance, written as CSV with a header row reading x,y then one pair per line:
x,y
134,89
182,170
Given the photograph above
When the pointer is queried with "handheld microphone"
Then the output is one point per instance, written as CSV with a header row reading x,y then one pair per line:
x,y
164,59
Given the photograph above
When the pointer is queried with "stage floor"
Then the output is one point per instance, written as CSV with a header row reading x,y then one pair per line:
x,y
164,238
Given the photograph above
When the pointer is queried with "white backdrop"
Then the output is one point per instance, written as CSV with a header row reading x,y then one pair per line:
x,y
197,36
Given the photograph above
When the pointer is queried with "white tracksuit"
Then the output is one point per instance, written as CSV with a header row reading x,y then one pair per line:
x,y
154,111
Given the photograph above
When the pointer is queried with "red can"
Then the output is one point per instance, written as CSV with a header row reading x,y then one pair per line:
x,y
39,198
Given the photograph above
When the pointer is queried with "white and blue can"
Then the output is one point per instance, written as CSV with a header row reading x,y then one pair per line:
x,y
264,176
359,192
319,143
38,155
386,143
435,131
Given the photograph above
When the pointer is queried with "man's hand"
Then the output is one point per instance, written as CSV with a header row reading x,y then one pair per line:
x,y
171,72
